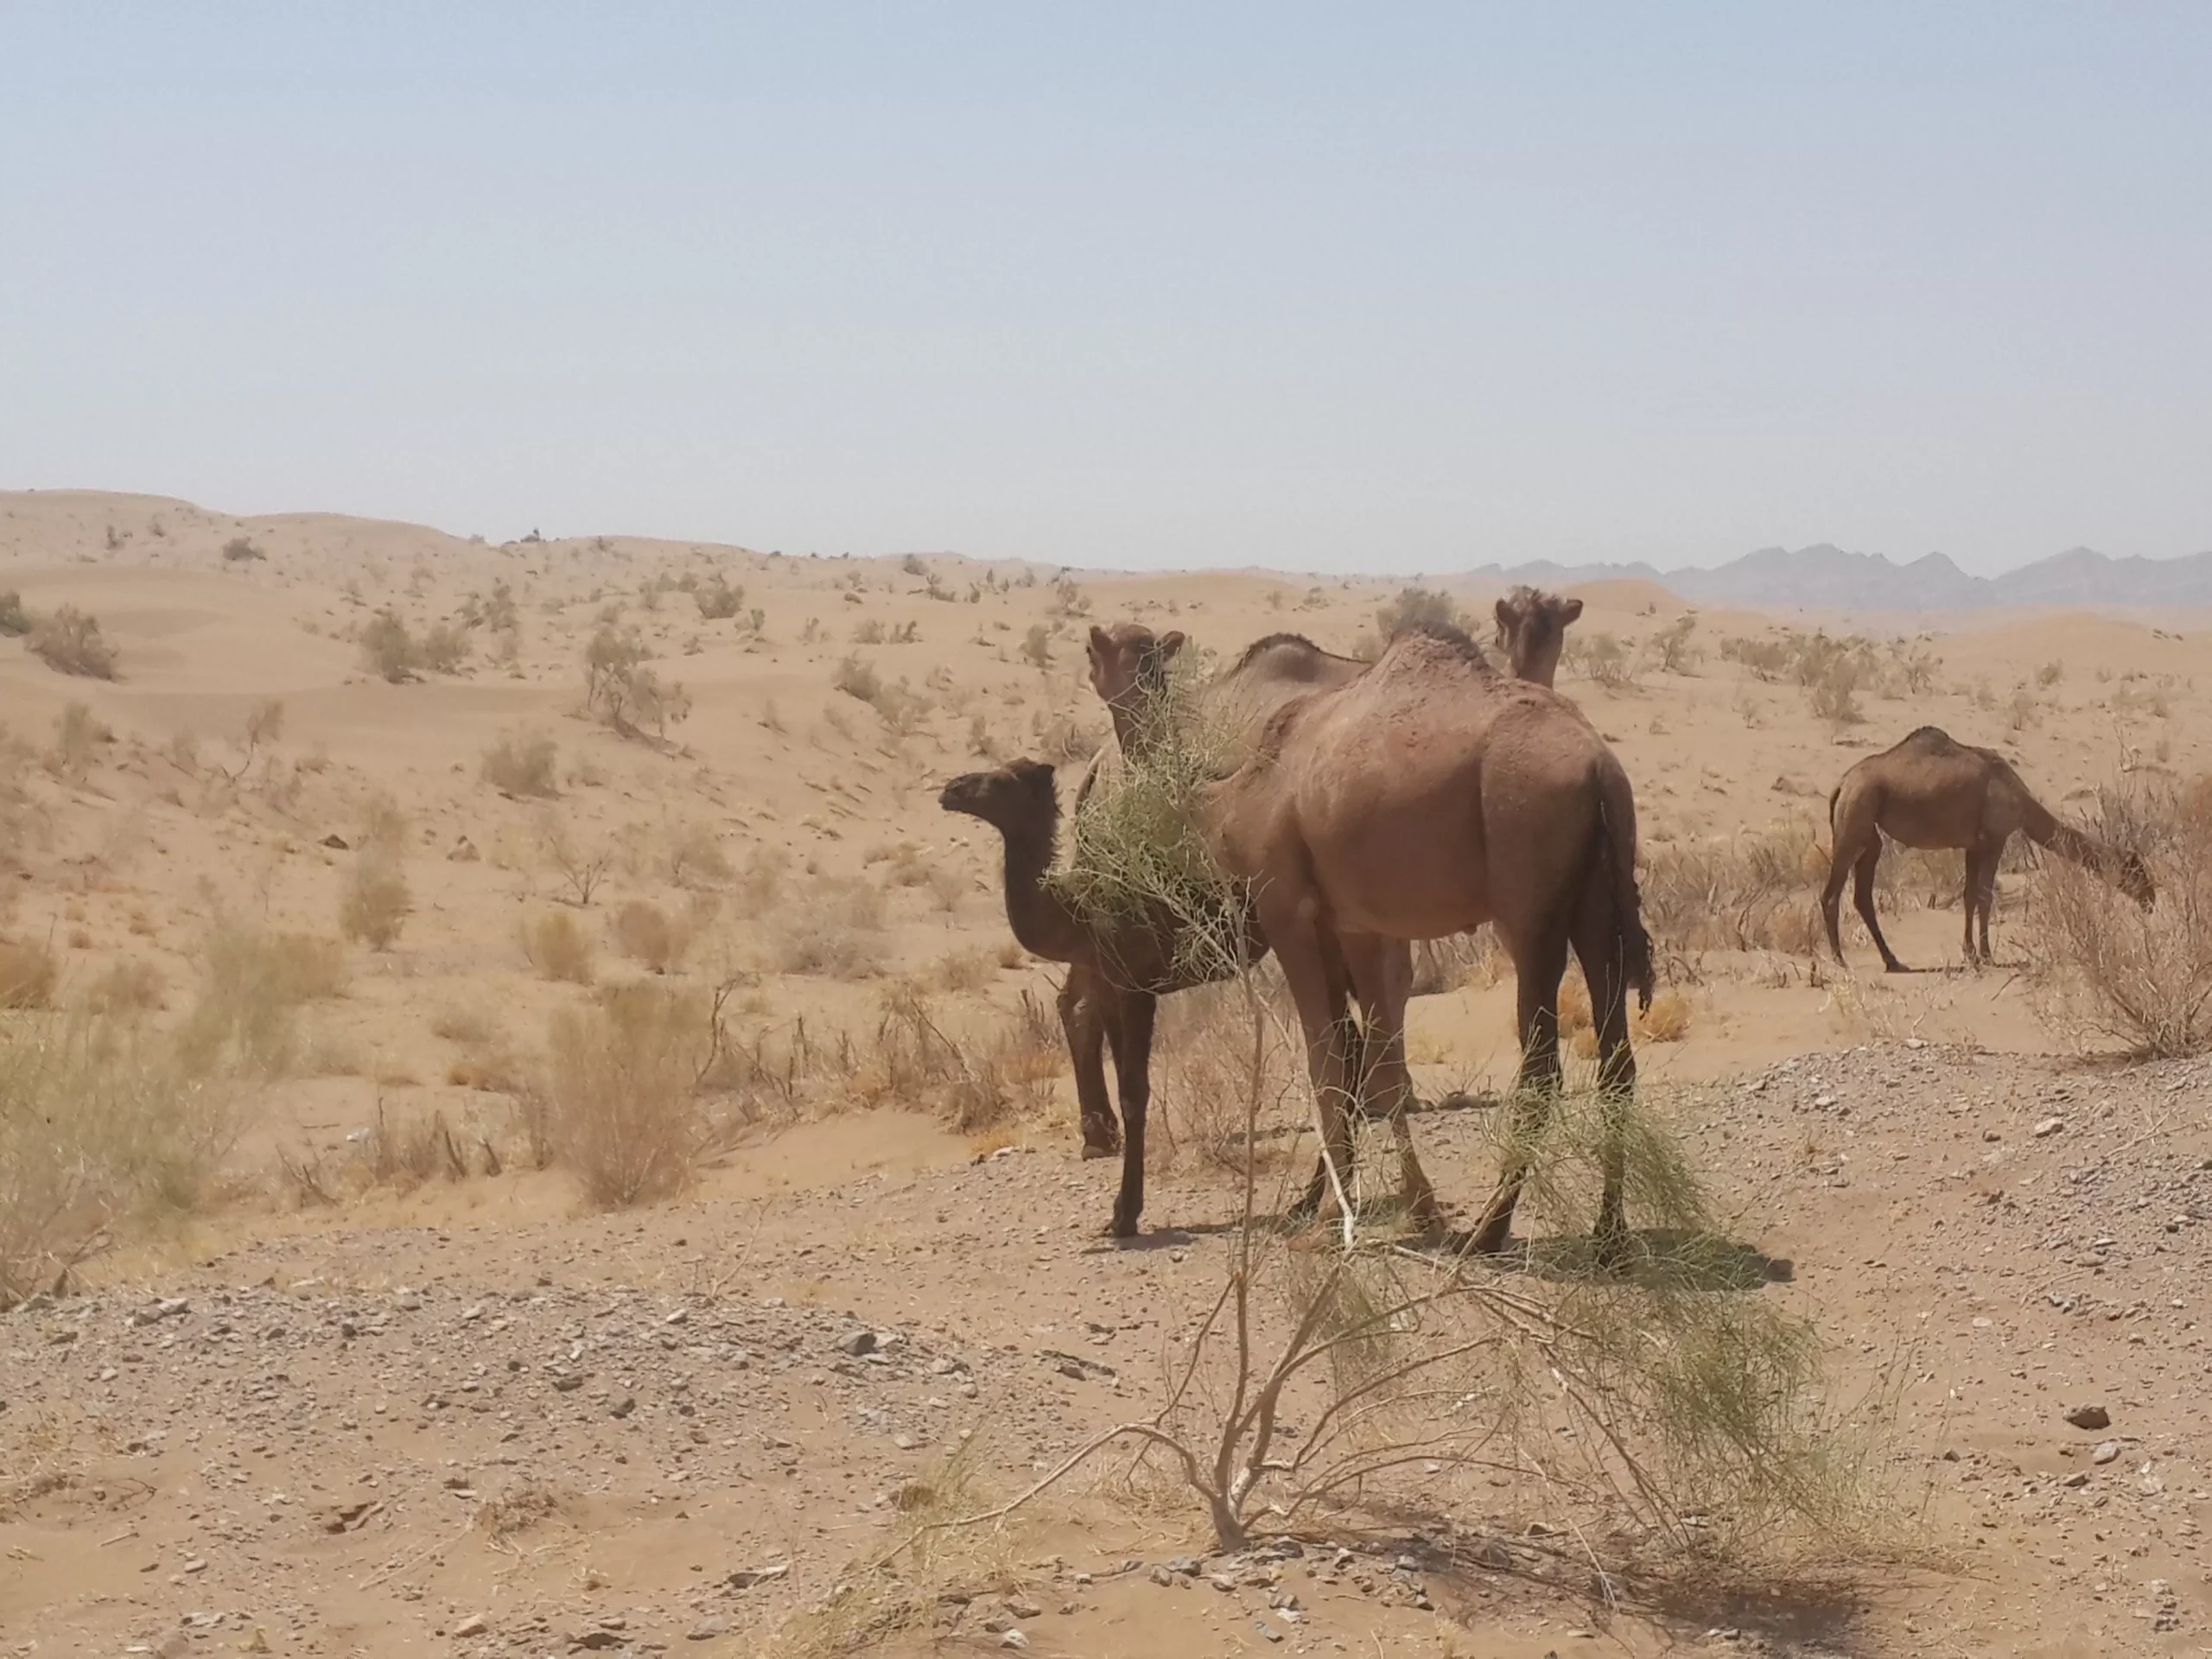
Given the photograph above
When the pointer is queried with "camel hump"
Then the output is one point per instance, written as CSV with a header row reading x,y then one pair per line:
x,y
1928,739
1267,643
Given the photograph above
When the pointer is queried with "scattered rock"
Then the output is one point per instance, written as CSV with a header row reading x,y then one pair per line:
x,y
336,843
2106,1451
707,1629
473,1626
746,1577
855,1343
2048,1127
2089,1417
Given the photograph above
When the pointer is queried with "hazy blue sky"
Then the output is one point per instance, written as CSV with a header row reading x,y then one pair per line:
x,y
1409,287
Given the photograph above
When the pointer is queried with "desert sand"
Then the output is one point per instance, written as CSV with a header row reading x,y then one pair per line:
x,y
387,1387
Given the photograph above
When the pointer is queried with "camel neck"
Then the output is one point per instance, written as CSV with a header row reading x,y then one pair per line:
x,y
1041,922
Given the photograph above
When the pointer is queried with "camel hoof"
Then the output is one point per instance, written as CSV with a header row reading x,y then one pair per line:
x,y
1122,1227
1095,1149
1895,967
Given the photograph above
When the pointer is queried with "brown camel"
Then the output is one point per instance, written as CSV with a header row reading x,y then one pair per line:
x,y
1129,670
1116,969
1931,791
1428,796
1532,631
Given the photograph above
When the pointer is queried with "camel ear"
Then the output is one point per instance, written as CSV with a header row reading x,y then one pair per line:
x,y
1504,615
1568,611
1100,643
1170,643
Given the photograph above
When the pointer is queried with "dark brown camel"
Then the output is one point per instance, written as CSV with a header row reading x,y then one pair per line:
x,y
1426,797
1928,791
1123,967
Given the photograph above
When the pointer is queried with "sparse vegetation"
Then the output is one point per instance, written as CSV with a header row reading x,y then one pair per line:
x,y
643,932
389,649
70,642
524,763
2111,971
15,621
624,694
619,1093
240,551
557,947
377,902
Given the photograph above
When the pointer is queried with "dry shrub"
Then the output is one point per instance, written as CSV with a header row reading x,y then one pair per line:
x,y
522,763
465,1024
377,903
252,984
444,649
28,973
103,1128
759,887
406,1154
837,936
388,649
619,1093
692,856
14,621
977,1081
1754,891
70,642
77,740
1213,1043
125,988
965,970
1668,1018
557,947
2111,971
643,932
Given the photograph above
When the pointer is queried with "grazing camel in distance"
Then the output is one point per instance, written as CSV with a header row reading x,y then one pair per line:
x,y
1426,797
1532,631
1123,966
1928,791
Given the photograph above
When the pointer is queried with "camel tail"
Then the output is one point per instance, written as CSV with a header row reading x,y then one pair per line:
x,y
1616,853
1835,795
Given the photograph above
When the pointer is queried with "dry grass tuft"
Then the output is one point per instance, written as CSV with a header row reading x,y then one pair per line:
x,y
618,1099
524,763
557,947
838,935
125,988
28,973
377,903
643,932
1668,1018
252,984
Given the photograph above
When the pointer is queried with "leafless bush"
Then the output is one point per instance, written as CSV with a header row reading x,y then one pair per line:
x,y
624,694
124,988
583,866
1672,646
717,600
444,649
856,678
240,549
1037,646
1752,892
2111,970
15,621
77,740
836,935
70,642
692,856
1604,659
522,763
102,1128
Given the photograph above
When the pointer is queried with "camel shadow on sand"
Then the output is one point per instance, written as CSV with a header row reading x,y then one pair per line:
x,y
1658,1259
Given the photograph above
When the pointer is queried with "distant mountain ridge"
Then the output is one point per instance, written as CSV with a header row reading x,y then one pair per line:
x,y
1826,577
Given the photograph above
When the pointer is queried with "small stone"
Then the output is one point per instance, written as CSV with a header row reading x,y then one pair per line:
x,y
623,1406
568,1382
1182,1566
473,1626
2107,1451
1162,1577
2089,1417
855,1343
1022,1607
1267,1631
707,1629
1015,1640
2079,1478
2048,1127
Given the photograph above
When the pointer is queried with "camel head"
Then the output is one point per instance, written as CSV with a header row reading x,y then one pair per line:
x,y
1014,797
1532,630
1128,663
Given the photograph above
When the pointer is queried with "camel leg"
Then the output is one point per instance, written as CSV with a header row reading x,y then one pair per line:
x,y
1832,895
1862,900
1538,967
1970,899
1314,970
1133,1075
1991,857
1597,947
1381,972
1085,1022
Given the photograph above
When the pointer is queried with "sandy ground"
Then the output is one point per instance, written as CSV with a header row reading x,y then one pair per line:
x,y
466,1415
